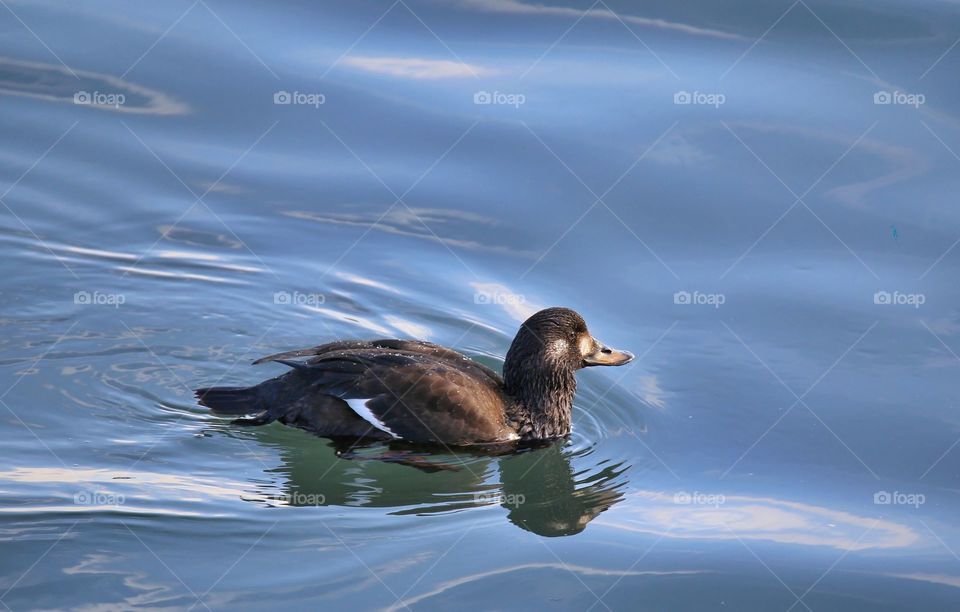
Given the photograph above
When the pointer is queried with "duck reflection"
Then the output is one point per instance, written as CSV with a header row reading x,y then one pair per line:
x,y
543,495
537,486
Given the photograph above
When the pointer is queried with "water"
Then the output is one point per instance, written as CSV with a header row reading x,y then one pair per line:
x,y
781,442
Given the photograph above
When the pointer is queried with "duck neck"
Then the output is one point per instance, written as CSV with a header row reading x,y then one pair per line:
x,y
543,400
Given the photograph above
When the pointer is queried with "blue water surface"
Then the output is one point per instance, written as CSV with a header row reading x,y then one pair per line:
x,y
756,198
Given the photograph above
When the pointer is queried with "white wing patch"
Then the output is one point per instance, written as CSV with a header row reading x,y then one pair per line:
x,y
360,407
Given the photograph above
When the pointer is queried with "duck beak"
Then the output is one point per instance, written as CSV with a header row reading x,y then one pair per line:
x,y
603,355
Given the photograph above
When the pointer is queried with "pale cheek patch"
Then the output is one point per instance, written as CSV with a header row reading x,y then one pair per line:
x,y
558,346
360,407
586,345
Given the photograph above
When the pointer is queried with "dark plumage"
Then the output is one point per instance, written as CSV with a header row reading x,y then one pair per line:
x,y
422,392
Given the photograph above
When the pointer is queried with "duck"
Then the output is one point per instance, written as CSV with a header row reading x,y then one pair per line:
x,y
420,392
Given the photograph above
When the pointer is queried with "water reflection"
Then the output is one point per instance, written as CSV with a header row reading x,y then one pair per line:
x,y
538,487
545,496
55,83
733,517
415,67
454,228
515,7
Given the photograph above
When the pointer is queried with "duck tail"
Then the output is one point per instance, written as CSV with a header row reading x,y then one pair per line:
x,y
231,401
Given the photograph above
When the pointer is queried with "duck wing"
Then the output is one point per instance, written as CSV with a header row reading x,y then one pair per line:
x,y
386,344
412,395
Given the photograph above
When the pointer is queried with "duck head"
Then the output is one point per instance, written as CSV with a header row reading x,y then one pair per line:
x,y
539,369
